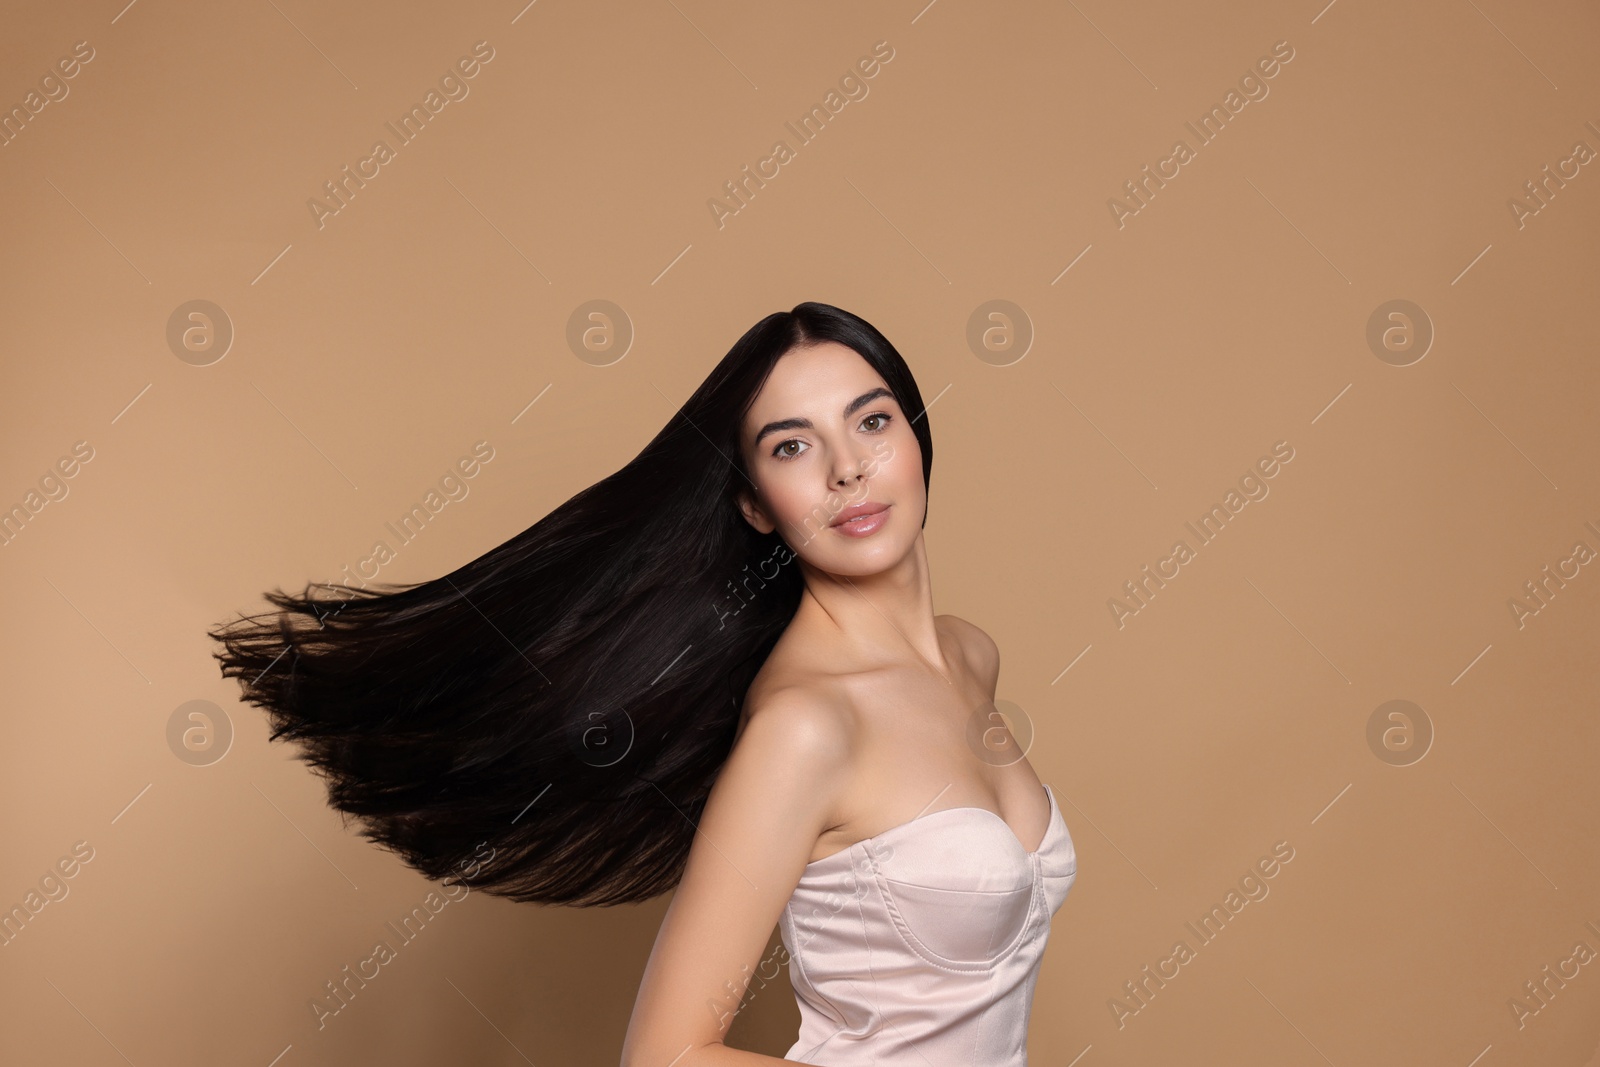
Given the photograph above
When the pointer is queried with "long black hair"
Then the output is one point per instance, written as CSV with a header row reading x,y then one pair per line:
x,y
553,713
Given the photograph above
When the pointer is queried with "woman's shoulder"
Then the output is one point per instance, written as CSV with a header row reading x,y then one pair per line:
x,y
799,690
790,690
977,647
797,722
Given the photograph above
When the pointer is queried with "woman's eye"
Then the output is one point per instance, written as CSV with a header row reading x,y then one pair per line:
x,y
780,453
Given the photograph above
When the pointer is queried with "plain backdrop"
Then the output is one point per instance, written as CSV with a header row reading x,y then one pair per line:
x,y
1380,260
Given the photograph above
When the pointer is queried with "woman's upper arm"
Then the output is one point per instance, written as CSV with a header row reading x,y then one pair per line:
x,y
762,817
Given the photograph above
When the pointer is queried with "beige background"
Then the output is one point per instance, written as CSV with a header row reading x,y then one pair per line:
x,y
1230,313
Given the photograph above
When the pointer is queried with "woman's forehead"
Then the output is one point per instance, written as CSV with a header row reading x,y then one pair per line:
x,y
813,381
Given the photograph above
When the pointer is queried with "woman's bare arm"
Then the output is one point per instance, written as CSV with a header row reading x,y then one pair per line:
x,y
772,800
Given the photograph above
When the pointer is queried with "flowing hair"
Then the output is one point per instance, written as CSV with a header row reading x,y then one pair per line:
x,y
568,697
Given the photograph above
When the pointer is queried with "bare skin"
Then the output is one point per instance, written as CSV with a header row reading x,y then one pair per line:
x,y
909,732
861,718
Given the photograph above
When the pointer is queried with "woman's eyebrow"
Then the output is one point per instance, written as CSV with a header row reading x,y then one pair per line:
x,y
805,424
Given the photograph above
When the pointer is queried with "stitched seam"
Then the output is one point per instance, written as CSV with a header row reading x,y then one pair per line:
x,y
916,945
794,957
876,1046
957,892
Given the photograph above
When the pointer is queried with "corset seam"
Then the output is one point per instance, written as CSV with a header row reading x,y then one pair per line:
x,y
915,944
817,997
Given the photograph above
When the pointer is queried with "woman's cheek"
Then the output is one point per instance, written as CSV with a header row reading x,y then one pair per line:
x,y
882,452
794,504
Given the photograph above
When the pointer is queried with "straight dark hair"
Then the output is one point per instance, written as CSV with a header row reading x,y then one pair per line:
x,y
567,698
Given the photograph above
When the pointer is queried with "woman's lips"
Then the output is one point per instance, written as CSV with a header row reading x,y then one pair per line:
x,y
864,525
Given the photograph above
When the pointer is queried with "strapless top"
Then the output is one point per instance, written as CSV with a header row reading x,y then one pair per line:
x,y
921,945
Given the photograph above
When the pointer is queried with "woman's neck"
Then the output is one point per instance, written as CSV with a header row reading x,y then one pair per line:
x,y
877,618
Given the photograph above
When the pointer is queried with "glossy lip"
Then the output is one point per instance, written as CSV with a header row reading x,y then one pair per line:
x,y
868,508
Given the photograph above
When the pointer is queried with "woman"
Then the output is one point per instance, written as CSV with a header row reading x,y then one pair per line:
x,y
718,670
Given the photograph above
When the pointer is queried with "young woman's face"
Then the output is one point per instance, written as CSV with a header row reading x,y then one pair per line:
x,y
823,437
